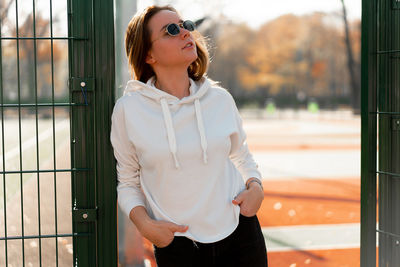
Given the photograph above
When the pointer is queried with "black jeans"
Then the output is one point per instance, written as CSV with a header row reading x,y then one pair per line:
x,y
245,247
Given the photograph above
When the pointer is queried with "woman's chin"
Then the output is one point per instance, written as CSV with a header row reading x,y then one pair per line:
x,y
192,58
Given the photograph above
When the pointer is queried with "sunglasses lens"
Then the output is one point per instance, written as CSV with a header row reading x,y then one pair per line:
x,y
189,25
173,29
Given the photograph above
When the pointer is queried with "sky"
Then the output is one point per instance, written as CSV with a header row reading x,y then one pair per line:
x,y
253,12
256,12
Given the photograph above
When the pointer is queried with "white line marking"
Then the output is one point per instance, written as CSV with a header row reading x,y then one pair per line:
x,y
312,237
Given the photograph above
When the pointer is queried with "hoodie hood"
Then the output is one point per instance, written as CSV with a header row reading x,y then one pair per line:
x,y
197,90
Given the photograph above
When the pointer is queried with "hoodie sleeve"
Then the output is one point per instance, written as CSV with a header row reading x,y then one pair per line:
x,y
129,190
240,154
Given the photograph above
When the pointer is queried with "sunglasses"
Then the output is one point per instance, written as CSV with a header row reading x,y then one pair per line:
x,y
174,29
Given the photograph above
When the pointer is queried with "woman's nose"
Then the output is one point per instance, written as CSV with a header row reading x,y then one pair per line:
x,y
184,33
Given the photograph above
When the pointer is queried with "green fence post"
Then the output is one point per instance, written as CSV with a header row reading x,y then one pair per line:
x,y
381,98
91,27
389,136
368,133
106,173
80,32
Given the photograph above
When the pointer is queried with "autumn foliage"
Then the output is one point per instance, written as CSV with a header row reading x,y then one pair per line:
x,y
288,57
33,68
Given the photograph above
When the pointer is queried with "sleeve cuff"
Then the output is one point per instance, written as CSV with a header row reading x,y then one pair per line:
x,y
253,174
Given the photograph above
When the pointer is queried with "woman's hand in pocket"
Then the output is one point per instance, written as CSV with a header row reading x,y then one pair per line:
x,y
161,233
250,200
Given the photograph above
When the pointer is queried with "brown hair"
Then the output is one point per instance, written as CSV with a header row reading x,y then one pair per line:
x,y
138,44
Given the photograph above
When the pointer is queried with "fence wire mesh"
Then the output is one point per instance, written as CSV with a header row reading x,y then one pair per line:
x,y
35,169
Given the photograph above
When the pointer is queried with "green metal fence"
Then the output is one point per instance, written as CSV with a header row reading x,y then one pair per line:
x,y
57,190
380,114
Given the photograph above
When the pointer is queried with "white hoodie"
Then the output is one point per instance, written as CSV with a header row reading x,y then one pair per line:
x,y
185,160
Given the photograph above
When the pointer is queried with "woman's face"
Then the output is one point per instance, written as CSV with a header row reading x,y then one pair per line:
x,y
166,50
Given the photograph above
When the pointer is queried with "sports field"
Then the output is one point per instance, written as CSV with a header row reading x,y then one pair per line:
x,y
311,168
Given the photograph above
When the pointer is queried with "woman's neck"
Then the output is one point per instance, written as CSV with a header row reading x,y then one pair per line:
x,y
176,84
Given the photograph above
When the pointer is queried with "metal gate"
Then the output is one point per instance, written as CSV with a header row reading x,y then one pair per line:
x,y
57,183
380,114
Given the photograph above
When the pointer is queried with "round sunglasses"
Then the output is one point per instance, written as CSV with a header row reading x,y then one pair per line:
x,y
174,29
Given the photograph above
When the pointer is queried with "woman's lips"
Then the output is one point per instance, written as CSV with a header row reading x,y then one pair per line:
x,y
188,45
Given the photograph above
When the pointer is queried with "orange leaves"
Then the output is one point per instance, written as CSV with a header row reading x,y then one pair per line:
x,y
318,69
304,53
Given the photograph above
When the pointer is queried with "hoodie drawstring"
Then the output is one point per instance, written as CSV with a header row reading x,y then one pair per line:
x,y
171,133
170,130
200,125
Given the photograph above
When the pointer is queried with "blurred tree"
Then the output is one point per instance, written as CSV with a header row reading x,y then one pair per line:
x,y
27,50
272,54
4,8
354,72
288,57
228,48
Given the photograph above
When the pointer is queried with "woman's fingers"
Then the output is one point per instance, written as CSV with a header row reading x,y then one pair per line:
x,y
177,228
239,199
163,234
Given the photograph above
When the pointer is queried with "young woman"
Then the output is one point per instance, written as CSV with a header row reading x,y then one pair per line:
x,y
186,177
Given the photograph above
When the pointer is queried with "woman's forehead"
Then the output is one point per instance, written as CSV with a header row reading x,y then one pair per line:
x,y
162,18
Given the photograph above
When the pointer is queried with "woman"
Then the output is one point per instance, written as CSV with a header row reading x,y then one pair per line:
x,y
186,177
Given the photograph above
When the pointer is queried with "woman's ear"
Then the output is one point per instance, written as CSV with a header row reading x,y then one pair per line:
x,y
150,59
